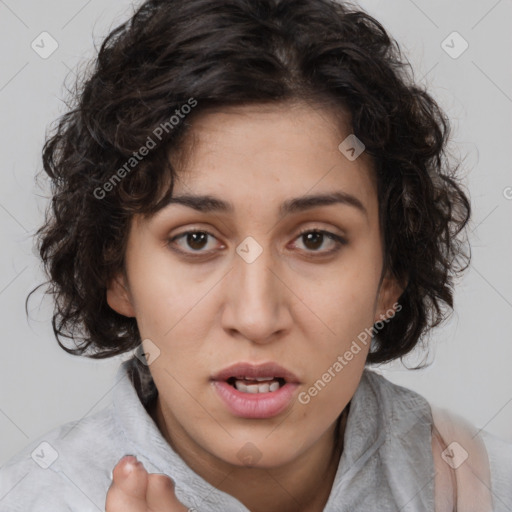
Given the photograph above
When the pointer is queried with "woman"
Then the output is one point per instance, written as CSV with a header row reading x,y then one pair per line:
x,y
255,194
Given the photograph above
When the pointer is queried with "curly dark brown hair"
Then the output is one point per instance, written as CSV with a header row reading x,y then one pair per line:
x,y
217,53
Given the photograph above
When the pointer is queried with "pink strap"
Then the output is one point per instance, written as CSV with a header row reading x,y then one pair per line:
x,y
463,477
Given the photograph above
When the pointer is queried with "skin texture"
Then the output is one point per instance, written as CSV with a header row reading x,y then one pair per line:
x,y
296,304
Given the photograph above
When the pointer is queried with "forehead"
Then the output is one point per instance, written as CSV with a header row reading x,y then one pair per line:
x,y
259,157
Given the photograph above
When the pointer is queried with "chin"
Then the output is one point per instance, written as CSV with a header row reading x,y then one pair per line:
x,y
256,454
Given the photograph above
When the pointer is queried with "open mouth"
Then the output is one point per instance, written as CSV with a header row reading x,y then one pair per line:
x,y
256,391
256,384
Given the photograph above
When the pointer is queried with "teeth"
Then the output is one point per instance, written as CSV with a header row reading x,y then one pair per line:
x,y
274,386
257,388
259,379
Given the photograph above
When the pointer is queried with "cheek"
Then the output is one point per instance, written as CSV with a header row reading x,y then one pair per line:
x,y
164,298
337,360
179,325
343,307
345,299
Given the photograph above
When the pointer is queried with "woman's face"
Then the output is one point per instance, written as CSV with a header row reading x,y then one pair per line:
x,y
253,283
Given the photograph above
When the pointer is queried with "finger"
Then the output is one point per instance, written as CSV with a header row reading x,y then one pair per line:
x,y
160,495
129,487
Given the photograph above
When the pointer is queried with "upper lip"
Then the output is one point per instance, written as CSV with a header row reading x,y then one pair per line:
x,y
251,370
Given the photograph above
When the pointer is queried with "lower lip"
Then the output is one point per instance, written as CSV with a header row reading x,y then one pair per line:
x,y
255,405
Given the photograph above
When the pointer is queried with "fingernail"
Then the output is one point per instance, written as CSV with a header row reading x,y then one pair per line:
x,y
130,462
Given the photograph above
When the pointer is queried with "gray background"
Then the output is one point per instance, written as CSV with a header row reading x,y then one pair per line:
x,y
43,387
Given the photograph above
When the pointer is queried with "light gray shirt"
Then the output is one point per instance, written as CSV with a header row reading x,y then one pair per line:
x,y
386,464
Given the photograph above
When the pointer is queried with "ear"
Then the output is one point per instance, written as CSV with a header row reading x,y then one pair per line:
x,y
389,292
119,297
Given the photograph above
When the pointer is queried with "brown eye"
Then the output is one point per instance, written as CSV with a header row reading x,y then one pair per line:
x,y
314,240
192,242
197,240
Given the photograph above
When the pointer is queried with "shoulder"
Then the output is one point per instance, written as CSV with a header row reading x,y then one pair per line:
x,y
64,469
471,465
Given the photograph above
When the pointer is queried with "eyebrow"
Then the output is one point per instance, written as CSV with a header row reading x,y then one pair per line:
x,y
208,203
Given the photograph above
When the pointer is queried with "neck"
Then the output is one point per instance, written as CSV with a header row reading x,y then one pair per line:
x,y
303,485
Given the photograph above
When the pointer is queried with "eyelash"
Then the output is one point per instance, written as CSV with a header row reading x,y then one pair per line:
x,y
340,241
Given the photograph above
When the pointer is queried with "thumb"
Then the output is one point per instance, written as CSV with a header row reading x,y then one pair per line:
x,y
129,487
160,495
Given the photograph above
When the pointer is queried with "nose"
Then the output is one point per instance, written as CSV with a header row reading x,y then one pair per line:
x,y
257,299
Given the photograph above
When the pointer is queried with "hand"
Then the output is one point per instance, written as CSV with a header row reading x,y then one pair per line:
x,y
133,489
